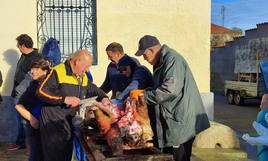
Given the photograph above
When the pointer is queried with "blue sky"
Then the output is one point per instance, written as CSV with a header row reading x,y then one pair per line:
x,y
244,14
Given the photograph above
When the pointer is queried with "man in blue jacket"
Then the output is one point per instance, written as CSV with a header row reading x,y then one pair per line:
x,y
179,113
114,80
139,77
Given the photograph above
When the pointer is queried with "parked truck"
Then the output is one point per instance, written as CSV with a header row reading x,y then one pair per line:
x,y
249,83
247,86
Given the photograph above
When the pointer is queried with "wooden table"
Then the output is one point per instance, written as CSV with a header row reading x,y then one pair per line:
x,y
97,149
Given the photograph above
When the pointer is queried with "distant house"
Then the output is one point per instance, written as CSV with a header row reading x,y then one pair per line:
x,y
216,29
220,35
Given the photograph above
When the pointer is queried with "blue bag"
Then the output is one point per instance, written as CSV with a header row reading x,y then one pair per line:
x,y
51,51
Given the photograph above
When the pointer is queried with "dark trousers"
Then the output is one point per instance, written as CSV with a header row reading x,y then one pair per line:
x,y
34,143
182,153
57,142
21,133
20,140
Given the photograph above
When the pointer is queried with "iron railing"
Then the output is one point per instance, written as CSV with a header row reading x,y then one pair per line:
x,y
71,22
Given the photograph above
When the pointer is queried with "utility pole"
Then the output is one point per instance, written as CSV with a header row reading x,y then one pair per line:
x,y
222,14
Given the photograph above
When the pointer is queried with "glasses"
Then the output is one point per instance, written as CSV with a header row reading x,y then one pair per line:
x,y
122,69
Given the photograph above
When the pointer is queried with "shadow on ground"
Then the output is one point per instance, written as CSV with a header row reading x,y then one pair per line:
x,y
18,155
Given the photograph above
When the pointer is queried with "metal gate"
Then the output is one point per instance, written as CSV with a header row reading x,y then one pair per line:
x,y
71,22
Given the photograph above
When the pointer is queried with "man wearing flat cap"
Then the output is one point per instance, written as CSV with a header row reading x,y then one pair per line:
x,y
179,113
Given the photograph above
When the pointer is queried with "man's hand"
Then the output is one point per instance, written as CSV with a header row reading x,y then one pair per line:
x,y
106,102
72,101
34,122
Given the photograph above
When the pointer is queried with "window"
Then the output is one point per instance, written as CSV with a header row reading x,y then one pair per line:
x,y
71,22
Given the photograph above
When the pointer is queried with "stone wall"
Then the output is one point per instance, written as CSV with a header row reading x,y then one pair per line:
x,y
8,121
238,56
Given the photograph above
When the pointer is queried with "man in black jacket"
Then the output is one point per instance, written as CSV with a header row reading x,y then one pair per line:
x,y
62,91
28,55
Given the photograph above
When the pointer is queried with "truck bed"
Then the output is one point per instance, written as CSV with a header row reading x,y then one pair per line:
x,y
250,88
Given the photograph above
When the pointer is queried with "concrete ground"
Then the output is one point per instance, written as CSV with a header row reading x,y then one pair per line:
x,y
18,155
239,118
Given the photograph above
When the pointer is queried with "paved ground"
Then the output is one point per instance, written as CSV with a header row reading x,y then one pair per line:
x,y
239,118
18,155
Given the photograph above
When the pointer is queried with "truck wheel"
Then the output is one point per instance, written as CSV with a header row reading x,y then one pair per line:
x,y
230,97
238,100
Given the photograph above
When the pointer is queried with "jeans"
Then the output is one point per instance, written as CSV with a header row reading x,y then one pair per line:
x,y
21,134
34,141
20,140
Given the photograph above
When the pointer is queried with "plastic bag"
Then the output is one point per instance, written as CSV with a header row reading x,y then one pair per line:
x,y
262,139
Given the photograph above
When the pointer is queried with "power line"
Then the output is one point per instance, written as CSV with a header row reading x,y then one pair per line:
x,y
222,14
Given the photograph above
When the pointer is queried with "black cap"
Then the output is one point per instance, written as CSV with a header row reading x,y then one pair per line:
x,y
145,42
125,61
